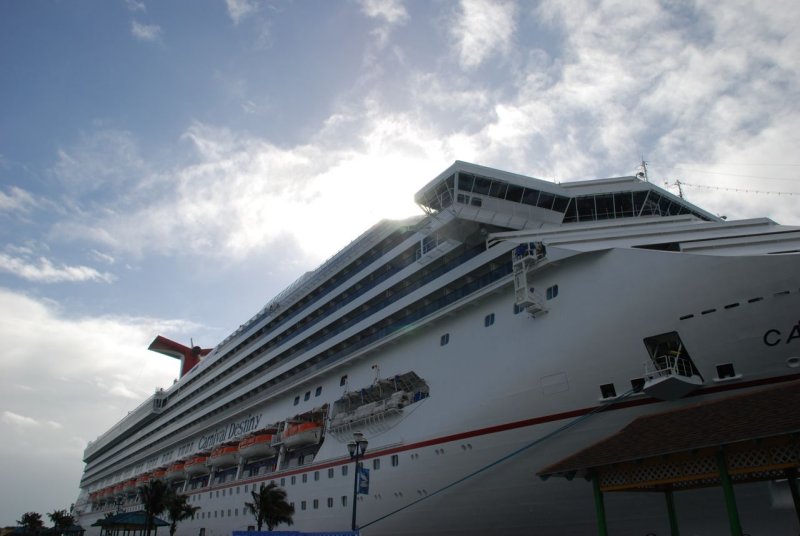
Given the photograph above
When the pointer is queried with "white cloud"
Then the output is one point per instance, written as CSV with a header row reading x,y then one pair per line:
x,y
484,28
150,33
64,381
135,5
238,10
392,11
16,200
102,161
46,272
9,417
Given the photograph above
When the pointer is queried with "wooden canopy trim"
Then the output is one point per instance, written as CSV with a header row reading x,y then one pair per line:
x,y
758,432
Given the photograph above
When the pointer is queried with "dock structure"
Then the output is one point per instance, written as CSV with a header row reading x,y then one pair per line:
x,y
750,437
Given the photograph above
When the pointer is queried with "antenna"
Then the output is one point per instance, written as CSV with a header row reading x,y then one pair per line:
x,y
679,184
641,171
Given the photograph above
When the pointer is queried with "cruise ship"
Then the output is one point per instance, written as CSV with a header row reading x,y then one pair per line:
x,y
471,346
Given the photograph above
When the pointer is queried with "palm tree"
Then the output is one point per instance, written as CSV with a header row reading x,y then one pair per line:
x,y
269,505
61,520
31,521
153,497
178,509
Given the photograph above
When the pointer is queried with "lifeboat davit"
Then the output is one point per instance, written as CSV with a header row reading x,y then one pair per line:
x,y
196,466
175,472
259,445
223,456
301,434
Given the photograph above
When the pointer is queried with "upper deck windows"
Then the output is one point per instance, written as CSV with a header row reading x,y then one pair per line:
x,y
624,205
469,183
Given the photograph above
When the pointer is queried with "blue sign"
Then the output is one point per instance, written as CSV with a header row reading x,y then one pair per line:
x,y
363,480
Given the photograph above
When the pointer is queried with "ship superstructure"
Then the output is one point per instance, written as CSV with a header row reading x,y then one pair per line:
x,y
451,339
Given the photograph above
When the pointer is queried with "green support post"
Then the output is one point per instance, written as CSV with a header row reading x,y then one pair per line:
x,y
602,528
730,498
791,478
673,519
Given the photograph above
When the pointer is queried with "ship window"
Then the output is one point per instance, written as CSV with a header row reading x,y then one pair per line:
x,y
229,512
305,478
605,206
330,502
236,512
316,475
330,472
623,205
283,483
376,463
444,339
465,182
607,390
395,460
344,500
293,480
476,202
343,380
498,189
302,505
217,493
529,196
318,391
482,186
560,204
316,504
545,200
300,460
307,395
518,309
552,292
637,384
296,400
725,370
488,320
586,208
461,198
344,470
514,193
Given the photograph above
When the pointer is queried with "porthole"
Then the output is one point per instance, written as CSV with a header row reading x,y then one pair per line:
x,y
793,362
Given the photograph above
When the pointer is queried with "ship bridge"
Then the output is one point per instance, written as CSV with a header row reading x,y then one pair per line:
x,y
518,202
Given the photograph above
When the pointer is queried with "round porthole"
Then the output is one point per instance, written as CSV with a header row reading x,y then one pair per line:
x,y
793,362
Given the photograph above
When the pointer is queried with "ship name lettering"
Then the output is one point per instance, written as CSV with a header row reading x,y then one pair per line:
x,y
244,426
773,337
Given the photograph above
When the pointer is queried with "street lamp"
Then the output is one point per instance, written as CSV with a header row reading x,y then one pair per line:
x,y
357,447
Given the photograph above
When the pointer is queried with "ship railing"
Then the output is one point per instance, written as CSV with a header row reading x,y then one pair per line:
x,y
667,365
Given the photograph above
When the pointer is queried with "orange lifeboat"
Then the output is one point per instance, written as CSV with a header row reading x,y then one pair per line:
x,y
255,446
119,489
301,434
175,471
196,466
129,486
223,456
142,479
158,474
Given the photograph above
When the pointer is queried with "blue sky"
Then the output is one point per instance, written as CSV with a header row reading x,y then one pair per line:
x,y
167,167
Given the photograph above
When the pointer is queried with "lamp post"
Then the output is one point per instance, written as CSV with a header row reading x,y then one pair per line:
x,y
357,447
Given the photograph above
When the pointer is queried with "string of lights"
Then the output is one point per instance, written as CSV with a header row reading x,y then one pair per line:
x,y
728,189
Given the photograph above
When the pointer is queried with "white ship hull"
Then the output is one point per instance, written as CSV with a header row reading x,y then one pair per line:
x,y
497,388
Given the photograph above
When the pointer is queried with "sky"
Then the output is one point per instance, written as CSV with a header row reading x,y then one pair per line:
x,y
168,167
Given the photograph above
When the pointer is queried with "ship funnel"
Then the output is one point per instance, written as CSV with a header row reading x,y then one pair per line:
x,y
189,357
